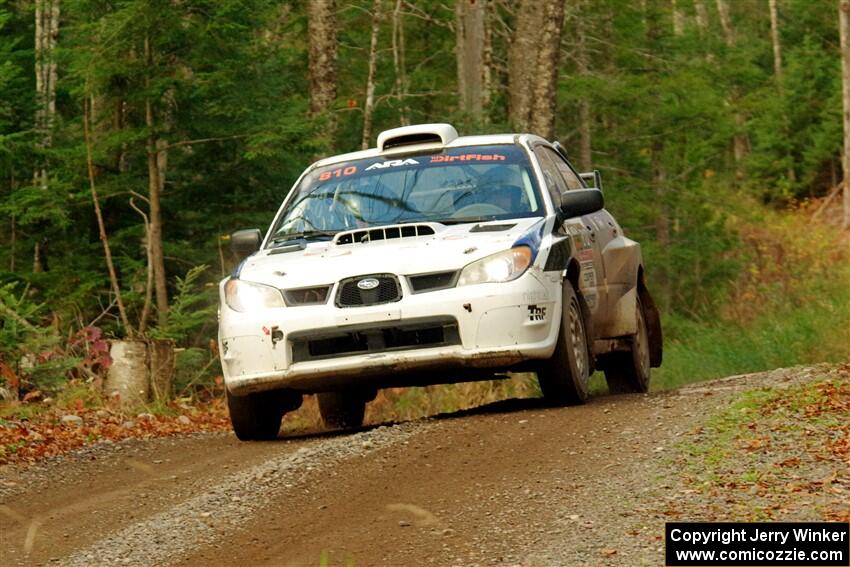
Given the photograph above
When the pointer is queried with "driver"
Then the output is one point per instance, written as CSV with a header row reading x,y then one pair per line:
x,y
502,187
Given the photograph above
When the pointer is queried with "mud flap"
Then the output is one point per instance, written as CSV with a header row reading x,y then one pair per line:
x,y
653,325
588,331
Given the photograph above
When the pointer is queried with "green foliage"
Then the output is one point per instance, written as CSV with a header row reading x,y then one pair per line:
x,y
26,349
192,308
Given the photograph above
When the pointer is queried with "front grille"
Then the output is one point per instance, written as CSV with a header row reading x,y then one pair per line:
x,y
388,290
432,282
307,295
424,333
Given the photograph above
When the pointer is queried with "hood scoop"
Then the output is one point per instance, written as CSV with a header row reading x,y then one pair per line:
x,y
491,227
366,235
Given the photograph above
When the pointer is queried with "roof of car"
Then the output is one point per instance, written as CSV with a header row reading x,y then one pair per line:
x,y
478,140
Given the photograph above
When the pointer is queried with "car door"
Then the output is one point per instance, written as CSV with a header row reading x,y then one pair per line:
x,y
604,227
583,231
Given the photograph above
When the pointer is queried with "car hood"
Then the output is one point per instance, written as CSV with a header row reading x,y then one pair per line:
x,y
449,248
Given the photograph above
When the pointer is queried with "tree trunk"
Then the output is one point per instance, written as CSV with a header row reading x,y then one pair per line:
x,y
13,240
399,63
662,223
548,62
584,109
321,29
533,60
774,37
487,62
149,285
522,63
777,71
701,16
107,252
678,19
844,19
369,105
741,142
47,13
155,183
469,51
726,22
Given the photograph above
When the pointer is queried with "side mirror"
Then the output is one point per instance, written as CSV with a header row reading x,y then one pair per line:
x,y
580,202
243,243
592,179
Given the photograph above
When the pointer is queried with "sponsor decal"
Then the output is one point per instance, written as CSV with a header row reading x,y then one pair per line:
x,y
339,172
588,274
533,296
392,163
536,313
468,157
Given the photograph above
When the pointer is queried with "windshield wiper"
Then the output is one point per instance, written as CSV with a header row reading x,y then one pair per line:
x,y
303,235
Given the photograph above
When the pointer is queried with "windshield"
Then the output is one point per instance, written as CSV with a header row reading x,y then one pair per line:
x,y
467,184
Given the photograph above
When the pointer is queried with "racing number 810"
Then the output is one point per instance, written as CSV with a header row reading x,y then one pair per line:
x,y
350,170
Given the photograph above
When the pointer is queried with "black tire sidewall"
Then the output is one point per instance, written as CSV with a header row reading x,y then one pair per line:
x,y
254,416
641,372
579,379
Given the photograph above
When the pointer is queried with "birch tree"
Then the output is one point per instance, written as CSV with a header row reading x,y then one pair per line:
x,y
399,65
47,13
701,16
369,105
678,19
740,142
777,73
774,38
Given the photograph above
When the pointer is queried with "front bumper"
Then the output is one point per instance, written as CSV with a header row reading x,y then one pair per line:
x,y
487,326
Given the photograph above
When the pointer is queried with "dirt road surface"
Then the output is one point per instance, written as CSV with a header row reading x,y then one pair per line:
x,y
512,483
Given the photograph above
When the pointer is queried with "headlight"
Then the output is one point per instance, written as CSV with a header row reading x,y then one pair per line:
x,y
245,296
501,267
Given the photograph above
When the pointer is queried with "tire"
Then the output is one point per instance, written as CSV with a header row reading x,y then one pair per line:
x,y
342,409
565,376
257,417
629,372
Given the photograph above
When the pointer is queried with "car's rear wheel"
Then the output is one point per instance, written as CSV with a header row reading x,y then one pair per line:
x,y
257,416
564,377
629,371
343,409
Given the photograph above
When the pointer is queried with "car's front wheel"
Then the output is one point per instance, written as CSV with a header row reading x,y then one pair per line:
x,y
564,377
344,409
257,416
628,372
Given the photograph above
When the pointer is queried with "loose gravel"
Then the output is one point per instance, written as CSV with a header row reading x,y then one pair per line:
x,y
221,509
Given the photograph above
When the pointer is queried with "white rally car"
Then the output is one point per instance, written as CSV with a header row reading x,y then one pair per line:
x,y
432,259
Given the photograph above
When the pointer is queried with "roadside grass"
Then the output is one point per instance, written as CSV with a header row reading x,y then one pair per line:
x,y
775,454
790,334
789,305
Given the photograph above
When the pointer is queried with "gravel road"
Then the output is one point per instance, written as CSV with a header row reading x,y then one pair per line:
x,y
512,483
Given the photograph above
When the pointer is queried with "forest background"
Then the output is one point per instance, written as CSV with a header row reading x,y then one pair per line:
x,y
135,135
